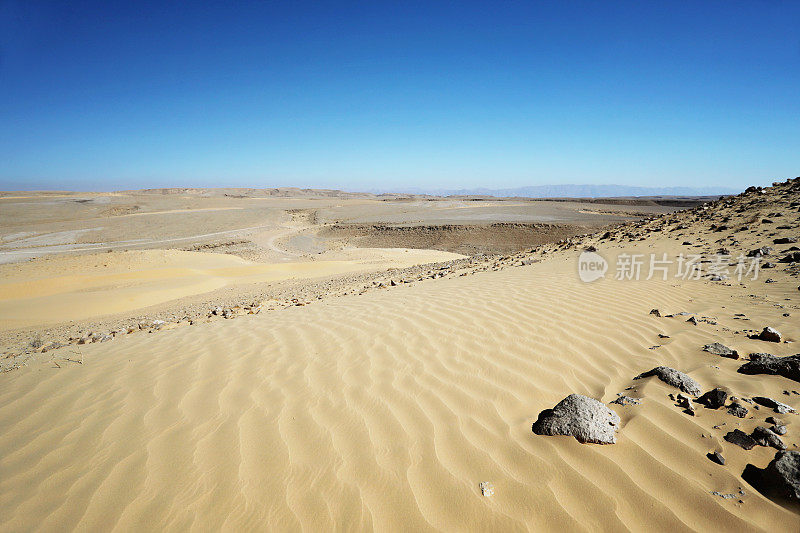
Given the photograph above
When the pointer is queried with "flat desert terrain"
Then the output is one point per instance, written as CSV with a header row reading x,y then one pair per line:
x,y
292,360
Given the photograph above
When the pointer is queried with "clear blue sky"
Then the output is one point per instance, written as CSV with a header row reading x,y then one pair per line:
x,y
109,95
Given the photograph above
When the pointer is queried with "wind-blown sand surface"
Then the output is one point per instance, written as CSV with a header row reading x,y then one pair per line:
x,y
135,280
386,410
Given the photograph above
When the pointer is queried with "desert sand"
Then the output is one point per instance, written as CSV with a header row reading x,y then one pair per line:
x,y
386,406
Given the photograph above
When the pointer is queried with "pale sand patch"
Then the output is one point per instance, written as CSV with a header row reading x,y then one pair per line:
x,y
387,410
122,282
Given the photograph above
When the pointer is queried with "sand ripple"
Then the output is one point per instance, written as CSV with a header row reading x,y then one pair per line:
x,y
382,411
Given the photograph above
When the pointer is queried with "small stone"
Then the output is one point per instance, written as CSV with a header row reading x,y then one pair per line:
x,y
713,399
780,408
738,410
626,400
778,429
675,378
487,489
759,252
765,437
770,335
791,257
721,350
655,312
716,457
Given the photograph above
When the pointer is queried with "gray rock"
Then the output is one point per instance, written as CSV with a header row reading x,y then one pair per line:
x,y
764,363
740,438
713,399
716,457
780,479
721,350
780,408
765,437
626,400
778,429
586,419
737,410
675,378
655,312
770,335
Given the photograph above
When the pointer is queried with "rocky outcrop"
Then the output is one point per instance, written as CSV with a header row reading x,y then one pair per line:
x,y
584,418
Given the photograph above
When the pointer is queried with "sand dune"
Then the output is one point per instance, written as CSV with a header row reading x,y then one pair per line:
x,y
386,411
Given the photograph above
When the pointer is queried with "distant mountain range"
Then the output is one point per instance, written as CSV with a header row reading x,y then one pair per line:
x,y
576,191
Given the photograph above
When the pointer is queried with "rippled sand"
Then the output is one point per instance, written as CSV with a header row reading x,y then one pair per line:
x,y
386,410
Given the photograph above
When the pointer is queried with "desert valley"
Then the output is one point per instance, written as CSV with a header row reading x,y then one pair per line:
x,y
313,360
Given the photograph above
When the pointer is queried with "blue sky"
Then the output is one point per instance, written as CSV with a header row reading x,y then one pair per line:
x,y
370,95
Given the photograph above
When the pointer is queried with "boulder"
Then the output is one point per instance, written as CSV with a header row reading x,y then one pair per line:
x,y
764,363
780,479
721,350
675,378
584,418
765,437
713,399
